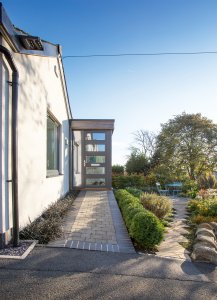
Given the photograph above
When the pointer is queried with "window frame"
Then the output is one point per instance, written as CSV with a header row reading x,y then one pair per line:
x,y
53,172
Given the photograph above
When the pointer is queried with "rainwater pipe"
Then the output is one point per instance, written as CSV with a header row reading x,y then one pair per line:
x,y
14,180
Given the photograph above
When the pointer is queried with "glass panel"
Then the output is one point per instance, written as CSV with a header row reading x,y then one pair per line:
x,y
95,147
95,170
52,145
95,159
95,181
97,136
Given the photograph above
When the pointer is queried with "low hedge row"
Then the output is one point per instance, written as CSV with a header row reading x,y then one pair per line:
x,y
123,181
143,226
134,191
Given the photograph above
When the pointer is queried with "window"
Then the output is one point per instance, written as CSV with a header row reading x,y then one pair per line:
x,y
95,147
52,147
95,136
95,170
76,157
95,159
95,181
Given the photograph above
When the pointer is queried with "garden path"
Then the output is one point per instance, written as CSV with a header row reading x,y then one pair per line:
x,y
171,246
95,223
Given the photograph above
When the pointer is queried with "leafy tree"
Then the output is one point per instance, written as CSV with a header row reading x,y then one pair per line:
x,y
187,145
117,170
137,163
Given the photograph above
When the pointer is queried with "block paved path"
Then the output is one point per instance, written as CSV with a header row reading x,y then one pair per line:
x,y
95,223
171,246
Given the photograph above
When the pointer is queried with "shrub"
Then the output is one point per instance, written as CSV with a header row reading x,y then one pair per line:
x,y
212,193
207,194
146,229
206,207
207,181
192,193
48,226
197,219
43,230
151,179
124,198
159,205
193,205
130,211
123,181
190,188
118,170
134,191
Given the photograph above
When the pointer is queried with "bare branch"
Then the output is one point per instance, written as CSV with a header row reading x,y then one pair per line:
x,y
145,142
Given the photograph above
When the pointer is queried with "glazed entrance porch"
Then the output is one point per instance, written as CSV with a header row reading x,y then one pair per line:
x,y
91,165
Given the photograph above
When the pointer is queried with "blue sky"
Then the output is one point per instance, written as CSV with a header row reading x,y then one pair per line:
x,y
138,92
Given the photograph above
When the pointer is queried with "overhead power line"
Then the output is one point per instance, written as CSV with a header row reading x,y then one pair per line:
x,y
140,54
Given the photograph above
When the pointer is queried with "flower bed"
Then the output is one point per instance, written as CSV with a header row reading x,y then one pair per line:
x,y
203,209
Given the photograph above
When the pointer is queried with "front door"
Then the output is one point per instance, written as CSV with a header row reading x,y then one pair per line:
x,y
96,159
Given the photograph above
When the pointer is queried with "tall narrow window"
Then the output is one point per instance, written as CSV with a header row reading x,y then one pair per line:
x,y
76,158
52,147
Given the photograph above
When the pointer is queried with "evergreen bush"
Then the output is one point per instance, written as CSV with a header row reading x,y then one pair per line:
x,y
146,229
134,191
130,211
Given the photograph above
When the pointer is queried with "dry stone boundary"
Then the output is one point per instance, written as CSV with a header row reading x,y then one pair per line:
x,y
205,243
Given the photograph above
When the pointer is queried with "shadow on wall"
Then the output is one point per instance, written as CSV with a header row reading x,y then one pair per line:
x,y
35,92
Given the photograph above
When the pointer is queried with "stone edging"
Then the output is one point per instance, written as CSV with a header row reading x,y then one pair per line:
x,y
24,255
205,243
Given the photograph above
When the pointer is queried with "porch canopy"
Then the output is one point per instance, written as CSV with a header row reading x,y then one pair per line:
x,y
92,124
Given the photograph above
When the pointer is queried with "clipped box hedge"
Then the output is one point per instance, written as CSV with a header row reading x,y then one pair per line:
x,y
143,226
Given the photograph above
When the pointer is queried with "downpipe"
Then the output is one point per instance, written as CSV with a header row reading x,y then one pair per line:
x,y
15,83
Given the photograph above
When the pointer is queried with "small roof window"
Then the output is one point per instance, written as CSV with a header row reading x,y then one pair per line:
x,y
31,42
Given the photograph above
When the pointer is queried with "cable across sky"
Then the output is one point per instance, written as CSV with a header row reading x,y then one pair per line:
x,y
140,54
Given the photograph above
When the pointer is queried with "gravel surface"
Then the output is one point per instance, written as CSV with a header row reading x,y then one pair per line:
x,y
15,251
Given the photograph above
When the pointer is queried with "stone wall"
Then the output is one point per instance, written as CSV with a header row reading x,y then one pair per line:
x,y
205,243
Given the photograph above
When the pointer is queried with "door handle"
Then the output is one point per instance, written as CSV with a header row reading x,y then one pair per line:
x,y
84,163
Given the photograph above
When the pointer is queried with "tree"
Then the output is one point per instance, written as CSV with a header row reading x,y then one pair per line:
x,y
144,142
187,145
117,170
137,163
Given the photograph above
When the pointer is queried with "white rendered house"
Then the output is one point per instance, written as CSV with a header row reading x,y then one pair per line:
x,y
44,151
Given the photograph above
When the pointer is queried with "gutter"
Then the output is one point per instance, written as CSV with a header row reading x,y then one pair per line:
x,y
14,180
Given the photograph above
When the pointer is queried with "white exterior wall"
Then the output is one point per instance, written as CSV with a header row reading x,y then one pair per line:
x,y
40,90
